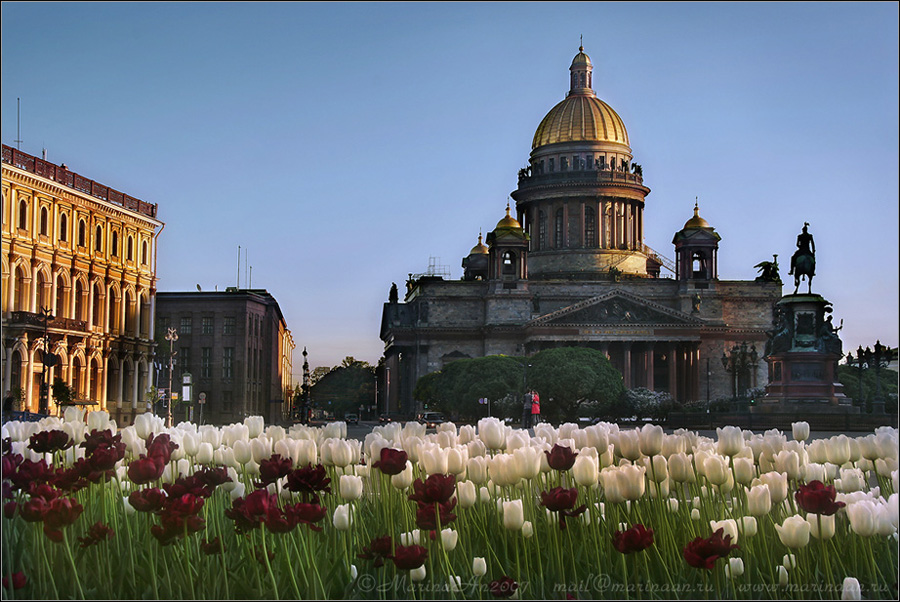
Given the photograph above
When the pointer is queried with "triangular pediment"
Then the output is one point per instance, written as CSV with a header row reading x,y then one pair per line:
x,y
616,309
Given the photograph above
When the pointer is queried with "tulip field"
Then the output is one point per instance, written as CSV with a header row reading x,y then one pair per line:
x,y
249,511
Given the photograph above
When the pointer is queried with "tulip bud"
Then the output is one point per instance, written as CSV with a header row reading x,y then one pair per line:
x,y
651,439
734,568
466,494
782,576
731,440
342,517
800,430
479,567
404,478
527,529
351,487
747,525
680,468
850,589
794,532
827,525
695,514
673,505
484,495
410,539
789,561
585,471
716,470
449,539
418,574
513,515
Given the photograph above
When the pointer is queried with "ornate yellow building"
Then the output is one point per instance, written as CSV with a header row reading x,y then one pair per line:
x,y
79,288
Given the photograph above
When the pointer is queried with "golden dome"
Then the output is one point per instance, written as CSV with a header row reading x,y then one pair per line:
x,y
581,118
480,248
696,221
507,222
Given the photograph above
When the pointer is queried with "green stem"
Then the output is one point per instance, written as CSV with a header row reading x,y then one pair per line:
x,y
72,563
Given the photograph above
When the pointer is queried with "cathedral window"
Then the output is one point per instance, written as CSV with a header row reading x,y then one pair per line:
x,y
590,227
129,249
82,233
63,227
558,234
551,165
563,164
542,230
115,244
44,221
98,239
576,162
144,253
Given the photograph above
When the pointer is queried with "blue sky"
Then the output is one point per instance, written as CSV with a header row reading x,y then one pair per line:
x,y
344,145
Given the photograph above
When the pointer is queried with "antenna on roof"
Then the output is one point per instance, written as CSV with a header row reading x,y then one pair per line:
x,y
18,139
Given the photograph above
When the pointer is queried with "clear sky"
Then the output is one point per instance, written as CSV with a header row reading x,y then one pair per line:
x,y
344,145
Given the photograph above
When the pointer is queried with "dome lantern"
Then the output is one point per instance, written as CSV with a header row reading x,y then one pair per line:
x,y
580,78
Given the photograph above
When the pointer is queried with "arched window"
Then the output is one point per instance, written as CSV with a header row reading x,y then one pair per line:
x,y
23,215
63,227
98,239
115,244
82,233
129,249
558,234
509,263
590,227
144,253
44,221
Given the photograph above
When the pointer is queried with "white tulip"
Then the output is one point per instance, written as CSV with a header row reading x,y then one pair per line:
x,y
794,532
351,487
827,522
492,433
479,567
205,453
729,527
254,426
651,439
343,517
629,444
242,453
837,449
404,478
419,574
800,430
513,515
731,440
449,539
850,590
527,529
782,576
585,471
734,568
466,494
716,470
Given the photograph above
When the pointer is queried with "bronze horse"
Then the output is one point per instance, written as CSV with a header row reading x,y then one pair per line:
x,y
805,266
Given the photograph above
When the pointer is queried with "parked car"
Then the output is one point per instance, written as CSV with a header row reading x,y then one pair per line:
x,y
351,418
391,417
432,419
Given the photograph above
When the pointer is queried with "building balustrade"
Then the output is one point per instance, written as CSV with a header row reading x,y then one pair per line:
x,y
585,176
24,319
71,179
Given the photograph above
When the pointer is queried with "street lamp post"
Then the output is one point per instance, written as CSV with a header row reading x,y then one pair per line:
x,y
860,366
526,404
48,361
171,336
740,363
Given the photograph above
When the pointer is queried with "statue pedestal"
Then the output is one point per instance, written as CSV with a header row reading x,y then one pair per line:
x,y
802,357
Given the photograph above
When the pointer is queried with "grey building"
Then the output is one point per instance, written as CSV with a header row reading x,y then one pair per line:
x,y
571,269
235,345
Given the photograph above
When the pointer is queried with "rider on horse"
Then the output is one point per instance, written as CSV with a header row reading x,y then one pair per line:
x,y
806,246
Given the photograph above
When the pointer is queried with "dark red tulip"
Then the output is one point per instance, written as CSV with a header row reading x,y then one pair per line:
x,y
504,587
104,457
309,480
561,457
703,553
407,558
18,581
147,500
818,498
214,546
307,514
378,550
160,448
47,442
562,500
96,534
431,516
100,438
392,461
272,469
436,489
144,470
192,485
635,539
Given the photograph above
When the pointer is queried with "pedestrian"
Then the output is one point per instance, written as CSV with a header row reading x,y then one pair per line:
x,y
526,411
535,408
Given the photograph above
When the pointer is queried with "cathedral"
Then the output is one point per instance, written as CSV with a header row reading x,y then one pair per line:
x,y
567,266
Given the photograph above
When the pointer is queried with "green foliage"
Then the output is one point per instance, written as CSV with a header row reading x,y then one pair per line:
x,y
644,403
571,380
456,389
849,377
345,388
63,394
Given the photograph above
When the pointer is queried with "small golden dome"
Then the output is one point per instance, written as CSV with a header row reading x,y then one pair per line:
x,y
508,221
696,221
480,248
581,58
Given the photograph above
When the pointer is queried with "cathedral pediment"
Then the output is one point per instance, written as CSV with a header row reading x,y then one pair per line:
x,y
616,309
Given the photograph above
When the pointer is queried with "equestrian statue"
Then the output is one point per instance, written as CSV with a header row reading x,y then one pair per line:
x,y
803,262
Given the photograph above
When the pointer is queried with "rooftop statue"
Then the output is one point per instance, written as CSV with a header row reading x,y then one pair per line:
x,y
803,262
768,271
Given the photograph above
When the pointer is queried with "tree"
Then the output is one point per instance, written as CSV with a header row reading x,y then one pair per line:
x,y
456,389
63,393
849,377
345,388
569,379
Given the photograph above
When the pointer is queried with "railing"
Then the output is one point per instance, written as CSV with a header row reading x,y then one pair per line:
x,y
582,176
71,179
27,318
665,261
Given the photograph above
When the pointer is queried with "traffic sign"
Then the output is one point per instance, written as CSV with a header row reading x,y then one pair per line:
x,y
201,399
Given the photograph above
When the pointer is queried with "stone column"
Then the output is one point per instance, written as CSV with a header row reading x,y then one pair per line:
x,y
673,367
649,359
626,363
